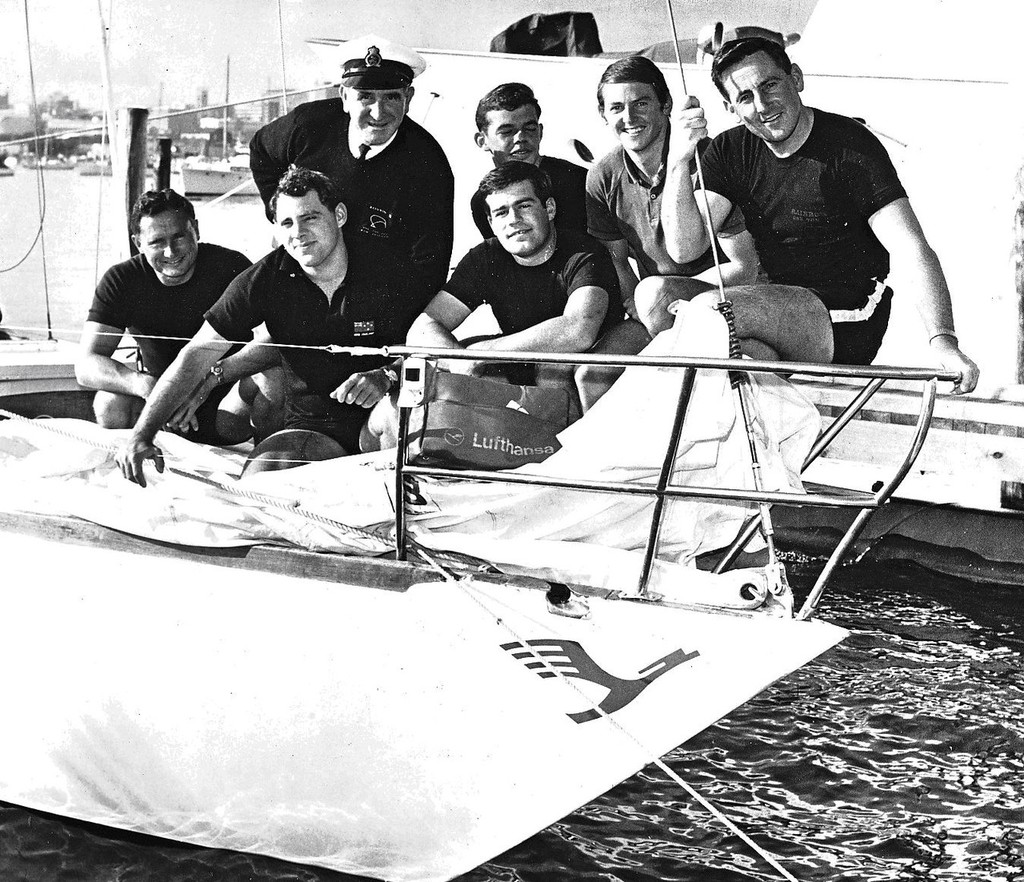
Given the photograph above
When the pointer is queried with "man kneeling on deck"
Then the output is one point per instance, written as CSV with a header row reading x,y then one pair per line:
x,y
310,292
160,296
549,291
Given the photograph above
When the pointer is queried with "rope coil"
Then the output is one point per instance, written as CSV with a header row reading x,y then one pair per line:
x,y
725,308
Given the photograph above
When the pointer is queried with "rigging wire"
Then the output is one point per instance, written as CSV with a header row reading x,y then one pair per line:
x,y
40,184
280,41
653,755
739,380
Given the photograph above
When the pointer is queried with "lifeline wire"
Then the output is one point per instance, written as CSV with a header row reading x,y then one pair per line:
x,y
325,348
656,760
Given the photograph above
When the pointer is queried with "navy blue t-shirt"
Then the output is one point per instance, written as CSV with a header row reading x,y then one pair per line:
x,y
131,296
808,213
523,296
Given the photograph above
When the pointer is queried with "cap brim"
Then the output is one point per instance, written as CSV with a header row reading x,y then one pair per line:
x,y
375,78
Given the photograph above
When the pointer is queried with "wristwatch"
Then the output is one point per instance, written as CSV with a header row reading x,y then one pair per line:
x,y
217,371
392,376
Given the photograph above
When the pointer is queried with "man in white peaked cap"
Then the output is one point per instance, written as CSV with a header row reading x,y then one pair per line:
x,y
394,177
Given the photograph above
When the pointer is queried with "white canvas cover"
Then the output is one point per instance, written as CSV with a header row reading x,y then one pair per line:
x,y
570,536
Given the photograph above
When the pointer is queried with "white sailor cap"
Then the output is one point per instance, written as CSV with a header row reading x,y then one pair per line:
x,y
371,62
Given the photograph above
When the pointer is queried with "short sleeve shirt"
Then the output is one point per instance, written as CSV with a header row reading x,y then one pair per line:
x,y
808,213
372,307
621,204
523,296
130,296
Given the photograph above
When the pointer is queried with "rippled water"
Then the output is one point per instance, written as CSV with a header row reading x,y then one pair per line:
x,y
898,755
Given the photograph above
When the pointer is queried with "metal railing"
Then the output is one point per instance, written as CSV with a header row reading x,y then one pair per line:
x,y
662,490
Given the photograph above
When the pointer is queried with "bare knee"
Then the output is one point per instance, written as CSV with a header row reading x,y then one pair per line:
x,y
655,294
380,432
115,411
651,298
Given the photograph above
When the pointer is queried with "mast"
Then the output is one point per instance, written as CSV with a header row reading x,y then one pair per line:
x,y
227,98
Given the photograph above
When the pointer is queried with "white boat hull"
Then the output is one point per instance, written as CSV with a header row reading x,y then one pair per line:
x,y
216,182
393,734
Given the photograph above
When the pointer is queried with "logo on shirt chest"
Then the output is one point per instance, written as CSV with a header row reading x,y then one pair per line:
x,y
377,222
362,329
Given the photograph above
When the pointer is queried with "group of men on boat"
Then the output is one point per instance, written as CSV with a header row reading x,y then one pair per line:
x,y
800,215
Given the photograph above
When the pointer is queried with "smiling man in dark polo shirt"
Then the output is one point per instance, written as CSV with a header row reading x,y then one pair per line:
x,y
310,292
549,289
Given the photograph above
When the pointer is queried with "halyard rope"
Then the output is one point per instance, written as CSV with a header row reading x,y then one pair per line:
x,y
292,506
740,382
622,730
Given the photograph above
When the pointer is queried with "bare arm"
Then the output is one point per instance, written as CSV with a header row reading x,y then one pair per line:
x,y
259,354
619,251
434,326
96,368
898,229
254,357
683,210
186,372
575,330
742,266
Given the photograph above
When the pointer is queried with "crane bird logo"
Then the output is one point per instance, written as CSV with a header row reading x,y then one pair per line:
x,y
570,659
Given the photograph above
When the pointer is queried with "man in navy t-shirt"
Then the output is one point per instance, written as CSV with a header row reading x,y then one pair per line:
x,y
550,290
160,297
827,212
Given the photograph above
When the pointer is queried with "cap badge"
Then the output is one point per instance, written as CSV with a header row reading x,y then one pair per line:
x,y
373,58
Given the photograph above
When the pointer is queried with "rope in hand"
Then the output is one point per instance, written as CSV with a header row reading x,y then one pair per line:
x,y
739,380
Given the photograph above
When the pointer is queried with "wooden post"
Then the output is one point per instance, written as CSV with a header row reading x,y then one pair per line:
x,y
130,171
163,173
1018,259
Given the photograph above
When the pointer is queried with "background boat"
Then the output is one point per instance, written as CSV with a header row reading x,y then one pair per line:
x,y
93,168
216,177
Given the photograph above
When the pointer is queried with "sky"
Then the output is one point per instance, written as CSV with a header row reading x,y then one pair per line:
x,y
175,48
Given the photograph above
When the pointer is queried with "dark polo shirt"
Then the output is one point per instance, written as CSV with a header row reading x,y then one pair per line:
x,y
372,307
